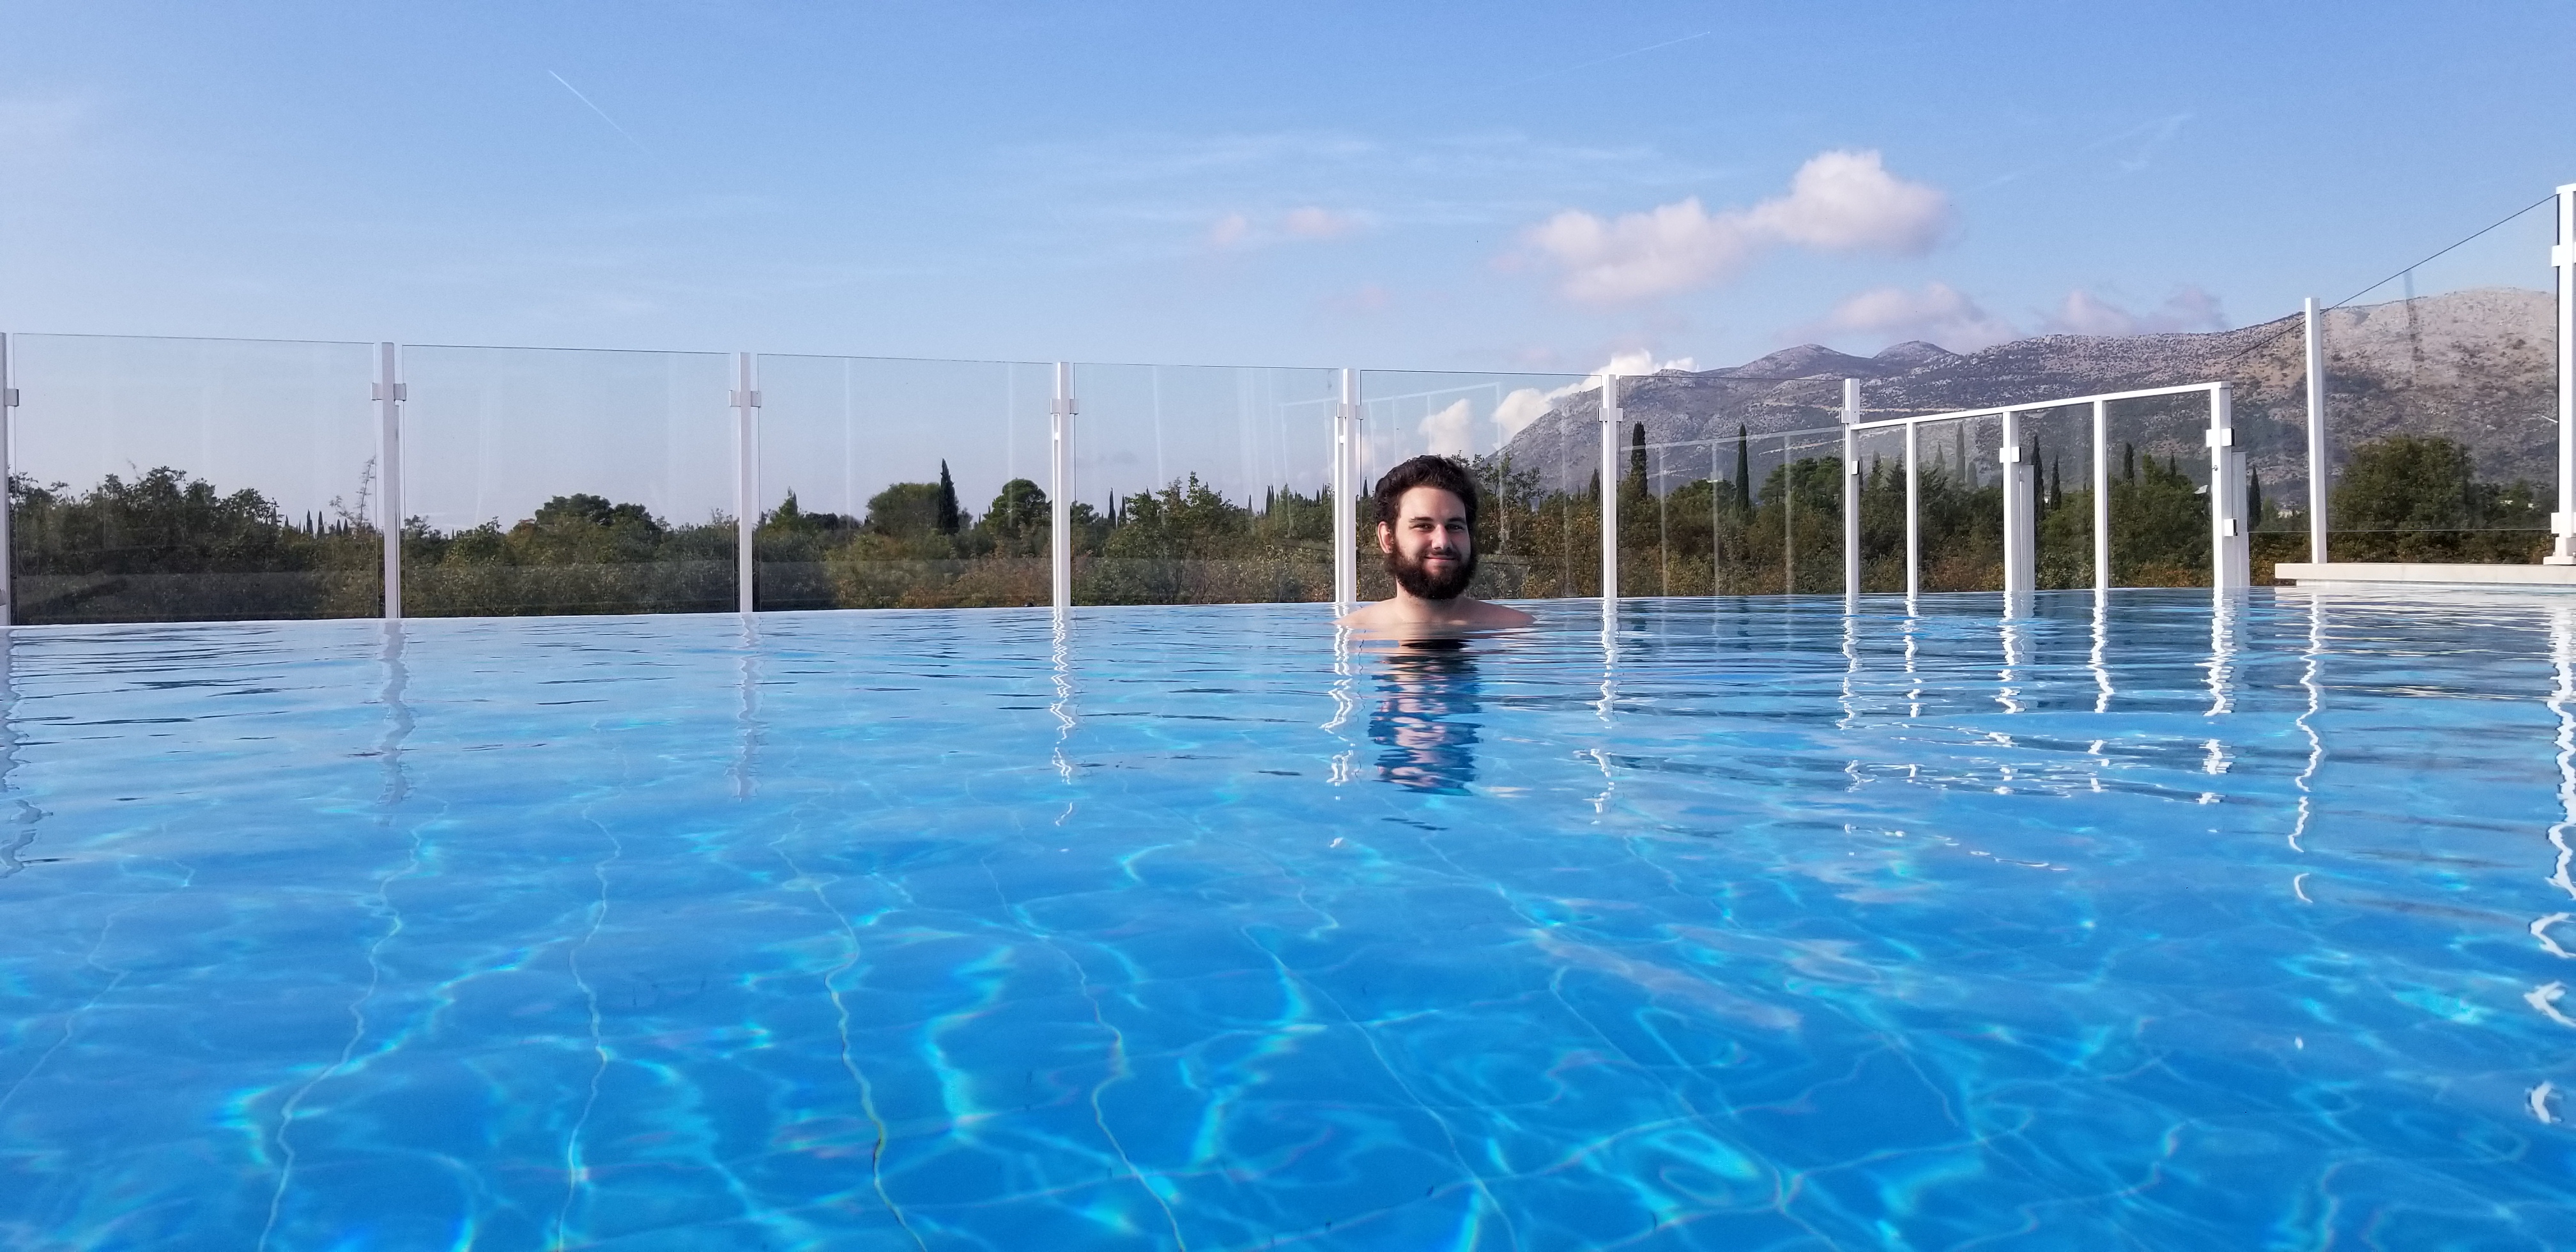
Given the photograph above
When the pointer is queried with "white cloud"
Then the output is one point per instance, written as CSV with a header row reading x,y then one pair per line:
x,y
1837,202
1848,202
1315,223
1528,404
1449,432
1937,312
1519,409
2188,309
1242,230
1229,230
1637,362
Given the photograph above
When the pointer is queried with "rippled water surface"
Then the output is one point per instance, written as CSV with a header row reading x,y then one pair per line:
x,y
1754,925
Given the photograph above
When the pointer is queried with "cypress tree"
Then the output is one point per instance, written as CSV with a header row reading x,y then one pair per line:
x,y
1637,457
949,521
1743,471
2129,463
2253,499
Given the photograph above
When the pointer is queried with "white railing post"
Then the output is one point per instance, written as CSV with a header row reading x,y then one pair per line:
x,y
2562,258
2021,512
1913,515
8,544
2317,465
2101,495
746,477
1609,491
1851,492
1346,510
2230,557
390,395
1060,484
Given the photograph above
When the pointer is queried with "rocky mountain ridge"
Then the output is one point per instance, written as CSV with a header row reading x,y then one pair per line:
x,y
2473,365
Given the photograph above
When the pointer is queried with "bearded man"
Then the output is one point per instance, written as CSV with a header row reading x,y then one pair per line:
x,y
1426,526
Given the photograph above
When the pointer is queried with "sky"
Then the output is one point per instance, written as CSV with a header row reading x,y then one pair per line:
x,y
1523,187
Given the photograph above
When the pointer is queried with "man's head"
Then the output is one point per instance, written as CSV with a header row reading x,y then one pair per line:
x,y
1426,522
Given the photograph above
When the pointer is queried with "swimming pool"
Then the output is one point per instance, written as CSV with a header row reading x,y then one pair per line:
x,y
1754,925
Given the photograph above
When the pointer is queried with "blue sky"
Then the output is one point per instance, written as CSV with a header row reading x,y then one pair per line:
x,y
1310,184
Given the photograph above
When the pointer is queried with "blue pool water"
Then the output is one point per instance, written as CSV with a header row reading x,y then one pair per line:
x,y
1754,926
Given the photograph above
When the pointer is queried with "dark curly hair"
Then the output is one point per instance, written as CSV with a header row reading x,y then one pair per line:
x,y
1425,471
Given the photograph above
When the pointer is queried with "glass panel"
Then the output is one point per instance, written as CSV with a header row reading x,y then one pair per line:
x,y
1882,509
1209,484
2441,404
904,484
2059,445
1812,511
2159,486
1533,442
1695,516
193,480
1963,504
560,481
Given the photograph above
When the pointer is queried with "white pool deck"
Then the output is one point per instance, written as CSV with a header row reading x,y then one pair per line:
x,y
2376,574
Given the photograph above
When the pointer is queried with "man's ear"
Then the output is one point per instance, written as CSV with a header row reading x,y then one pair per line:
x,y
1385,537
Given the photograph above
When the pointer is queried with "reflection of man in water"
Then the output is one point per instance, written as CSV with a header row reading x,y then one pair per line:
x,y
1425,750
1426,526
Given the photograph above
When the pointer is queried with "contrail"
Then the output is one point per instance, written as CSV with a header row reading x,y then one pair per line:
x,y
603,116
1616,56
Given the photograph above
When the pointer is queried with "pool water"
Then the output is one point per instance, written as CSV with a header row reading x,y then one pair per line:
x,y
1750,925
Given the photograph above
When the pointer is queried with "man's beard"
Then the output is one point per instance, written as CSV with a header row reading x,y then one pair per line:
x,y
1419,581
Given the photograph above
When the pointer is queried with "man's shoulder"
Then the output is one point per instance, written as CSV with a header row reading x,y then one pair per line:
x,y
1488,613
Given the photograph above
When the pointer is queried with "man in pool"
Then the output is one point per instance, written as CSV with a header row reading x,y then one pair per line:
x,y
1426,524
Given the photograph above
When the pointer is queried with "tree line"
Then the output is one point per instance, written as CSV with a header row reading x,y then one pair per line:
x,y
164,545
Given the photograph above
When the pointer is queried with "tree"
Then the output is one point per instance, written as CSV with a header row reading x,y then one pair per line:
x,y
1743,470
2406,483
949,521
583,509
904,510
1636,484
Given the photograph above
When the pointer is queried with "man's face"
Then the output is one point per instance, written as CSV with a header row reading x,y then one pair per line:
x,y
1429,551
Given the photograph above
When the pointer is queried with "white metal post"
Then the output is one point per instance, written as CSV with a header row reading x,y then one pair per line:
x,y
1851,490
2562,258
1609,491
1788,519
1346,510
2317,466
2231,559
389,502
1060,483
746,477
1913,516
2101,495
8,546
2021,513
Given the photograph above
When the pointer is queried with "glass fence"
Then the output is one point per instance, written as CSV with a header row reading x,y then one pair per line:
x,y
904,484
192,480
2159,490
1203,484
161,479
2441,388
2057,443
549,481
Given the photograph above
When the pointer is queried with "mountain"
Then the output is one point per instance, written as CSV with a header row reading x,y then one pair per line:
x,y
2472,365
